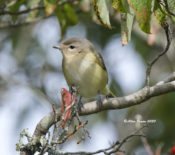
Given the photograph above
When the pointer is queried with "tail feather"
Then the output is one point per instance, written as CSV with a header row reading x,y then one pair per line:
x,y
111,94
108,92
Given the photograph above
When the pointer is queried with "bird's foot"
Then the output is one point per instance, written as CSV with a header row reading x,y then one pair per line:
x,y
99,101
80,104
73,90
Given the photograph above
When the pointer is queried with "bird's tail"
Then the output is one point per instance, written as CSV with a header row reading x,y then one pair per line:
x,y
108,92
111,94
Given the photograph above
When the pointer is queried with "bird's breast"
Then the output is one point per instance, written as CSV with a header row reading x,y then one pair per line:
x,y
76,67
83,71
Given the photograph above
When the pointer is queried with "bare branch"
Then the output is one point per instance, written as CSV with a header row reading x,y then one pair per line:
x,y
124,141
168,79
5,12
108,151
70,134
130,100
43,126
23,23
107,104
168,9
169,38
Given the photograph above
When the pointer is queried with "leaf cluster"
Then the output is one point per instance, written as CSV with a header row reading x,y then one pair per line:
x,y
67,12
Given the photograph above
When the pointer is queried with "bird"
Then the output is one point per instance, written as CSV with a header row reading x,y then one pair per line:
x,y
84,68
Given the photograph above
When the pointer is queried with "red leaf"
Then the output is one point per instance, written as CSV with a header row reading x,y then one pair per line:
x,y
66,100
173,150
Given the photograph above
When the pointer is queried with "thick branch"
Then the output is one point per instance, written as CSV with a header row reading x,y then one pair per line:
x,y
108,104
130,100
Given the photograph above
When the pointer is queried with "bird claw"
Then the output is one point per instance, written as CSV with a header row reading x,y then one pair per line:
x,y
80,104
99,101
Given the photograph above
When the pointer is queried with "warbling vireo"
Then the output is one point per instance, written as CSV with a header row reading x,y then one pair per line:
x,y
84,68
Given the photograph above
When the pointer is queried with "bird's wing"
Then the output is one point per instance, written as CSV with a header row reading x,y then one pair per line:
x,y
99,59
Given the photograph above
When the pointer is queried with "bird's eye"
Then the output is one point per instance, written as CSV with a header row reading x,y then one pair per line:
x,y
71,47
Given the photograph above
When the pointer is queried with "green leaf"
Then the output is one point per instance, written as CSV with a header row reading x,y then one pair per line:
x,y
142,10
102,12
159,16
33,3
15,7
126,27
159,13
1,1
49,7
117,5
52,1
126,6
66,16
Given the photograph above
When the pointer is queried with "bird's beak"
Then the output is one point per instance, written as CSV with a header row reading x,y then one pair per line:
x,y
57,47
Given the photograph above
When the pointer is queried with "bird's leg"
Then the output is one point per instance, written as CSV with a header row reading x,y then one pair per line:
x,y
74,92
80,104
71,89
99,100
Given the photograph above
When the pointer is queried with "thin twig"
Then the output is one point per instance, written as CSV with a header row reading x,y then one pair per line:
x,y
168,79
23,23
168,9
110,103
149,66
6,12
124,141
85,131
147,146
55,124
57,140
4,26
135,133
64,129
107,151
45,148
70,134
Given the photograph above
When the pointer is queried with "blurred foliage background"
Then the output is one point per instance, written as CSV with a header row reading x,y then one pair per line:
x,y
31,74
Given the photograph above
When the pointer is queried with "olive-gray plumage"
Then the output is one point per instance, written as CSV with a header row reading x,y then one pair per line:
x,y
84,68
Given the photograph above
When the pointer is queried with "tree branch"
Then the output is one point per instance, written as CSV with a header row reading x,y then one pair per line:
x,y
108,151
107,104
168,9
169,39
23,23
6,12
130,100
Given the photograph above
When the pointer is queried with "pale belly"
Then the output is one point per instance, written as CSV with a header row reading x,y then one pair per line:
x,y
89,77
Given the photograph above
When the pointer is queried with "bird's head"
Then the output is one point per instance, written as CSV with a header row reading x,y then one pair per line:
x,y
74,46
